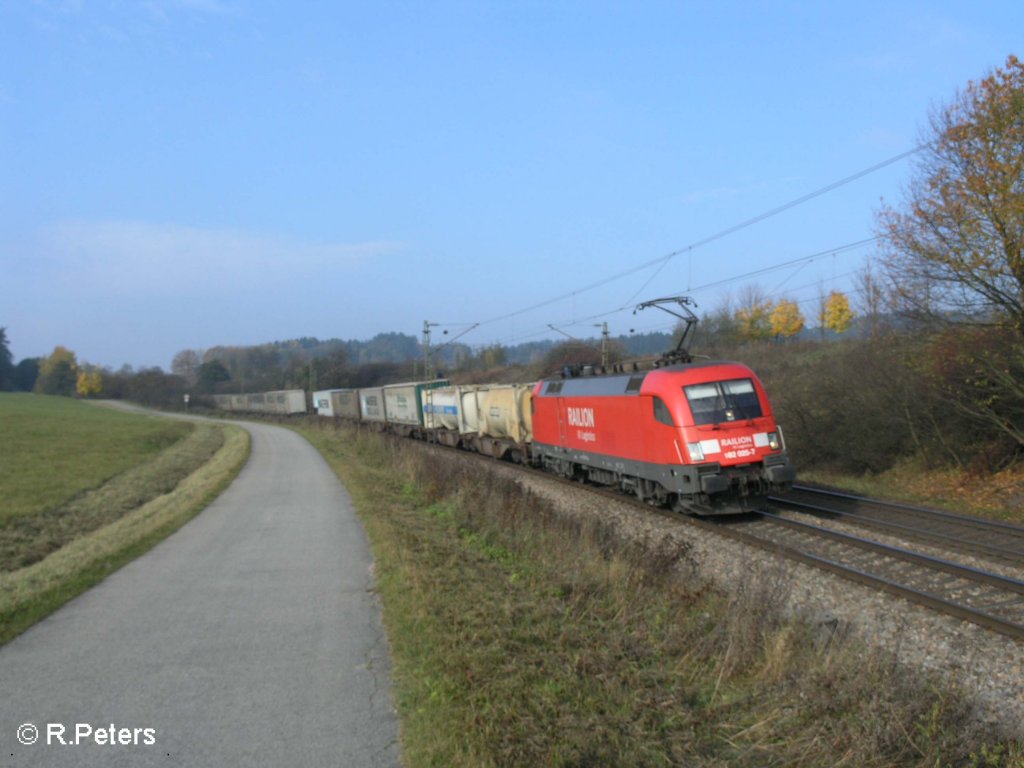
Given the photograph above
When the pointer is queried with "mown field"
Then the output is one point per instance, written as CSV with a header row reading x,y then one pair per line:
x,y
85,489
520,638
55,448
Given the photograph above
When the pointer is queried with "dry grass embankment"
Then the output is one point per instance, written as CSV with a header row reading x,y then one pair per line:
x,y
999,495
520,637
61,543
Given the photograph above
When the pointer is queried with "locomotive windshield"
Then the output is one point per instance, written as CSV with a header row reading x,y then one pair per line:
x,y
721,401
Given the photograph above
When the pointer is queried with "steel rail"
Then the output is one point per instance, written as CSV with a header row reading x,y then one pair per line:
x,y
727,527
928,561
939,604
722,527
977,522
960,542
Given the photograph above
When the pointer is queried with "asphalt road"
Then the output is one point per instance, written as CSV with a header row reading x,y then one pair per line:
x,y
249,637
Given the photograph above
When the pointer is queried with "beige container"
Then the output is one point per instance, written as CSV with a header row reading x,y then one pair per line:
x,y
469,411
505,412
286,401
345,404
371,404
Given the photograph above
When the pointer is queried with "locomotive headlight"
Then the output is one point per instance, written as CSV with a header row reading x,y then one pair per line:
x,y
696,452
774,442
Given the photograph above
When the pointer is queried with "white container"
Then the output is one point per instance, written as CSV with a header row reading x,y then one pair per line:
x,y
453,408
441,408
323,404
401,404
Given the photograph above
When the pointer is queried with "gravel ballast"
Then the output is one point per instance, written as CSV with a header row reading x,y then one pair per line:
x,y
987,665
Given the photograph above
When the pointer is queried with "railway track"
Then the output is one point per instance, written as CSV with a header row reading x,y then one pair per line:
x,y
970,594
991,539
987,599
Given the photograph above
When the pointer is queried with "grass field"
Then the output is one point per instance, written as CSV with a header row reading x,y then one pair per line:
x,y
84,490
521,638
54,448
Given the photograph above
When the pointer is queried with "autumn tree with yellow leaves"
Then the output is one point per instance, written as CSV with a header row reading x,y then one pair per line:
x,y
836,314
58,373
753,316
786,319
89,383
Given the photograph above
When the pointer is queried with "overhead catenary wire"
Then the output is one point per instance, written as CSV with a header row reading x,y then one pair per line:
x,y
662,261
797,262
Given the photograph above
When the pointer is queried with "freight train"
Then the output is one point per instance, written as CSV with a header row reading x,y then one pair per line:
x,y
697,437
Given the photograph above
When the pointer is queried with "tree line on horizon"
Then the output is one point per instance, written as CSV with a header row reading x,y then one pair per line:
x,y
311,363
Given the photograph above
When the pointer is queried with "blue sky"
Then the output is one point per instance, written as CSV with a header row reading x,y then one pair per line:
x,y
177,174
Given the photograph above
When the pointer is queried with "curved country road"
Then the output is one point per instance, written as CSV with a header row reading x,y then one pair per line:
x,y
250,637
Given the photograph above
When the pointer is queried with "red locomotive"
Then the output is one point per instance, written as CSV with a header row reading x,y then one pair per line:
x,y
699,437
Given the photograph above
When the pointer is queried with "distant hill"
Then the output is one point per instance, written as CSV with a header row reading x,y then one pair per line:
x,y
401,347
394,347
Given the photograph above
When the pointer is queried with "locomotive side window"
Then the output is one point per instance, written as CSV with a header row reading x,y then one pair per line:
x,y
661,412
723,401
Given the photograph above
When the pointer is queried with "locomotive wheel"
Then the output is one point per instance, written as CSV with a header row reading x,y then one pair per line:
x,y
680,504
638,491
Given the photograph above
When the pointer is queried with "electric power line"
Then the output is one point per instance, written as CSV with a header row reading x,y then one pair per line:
x,y
801,262
662,261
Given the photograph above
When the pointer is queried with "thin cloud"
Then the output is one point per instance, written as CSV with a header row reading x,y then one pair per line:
x,y
144,258
162,9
